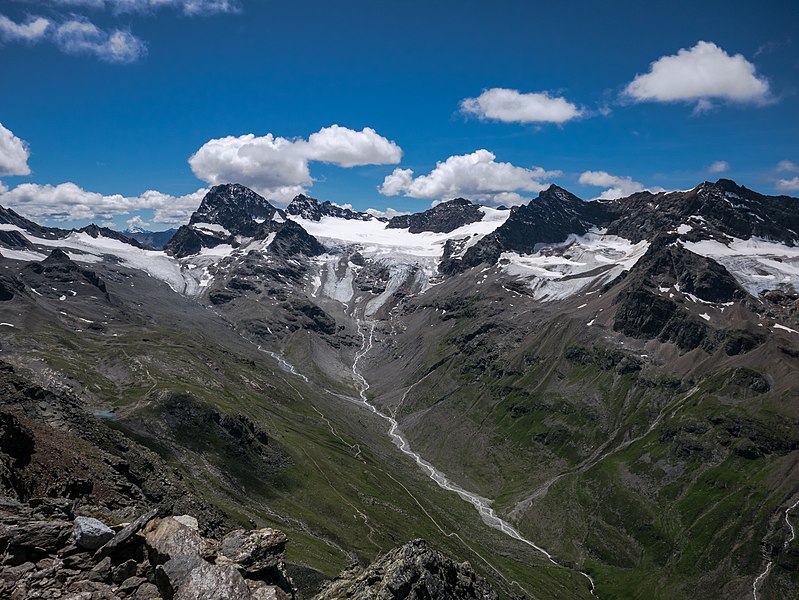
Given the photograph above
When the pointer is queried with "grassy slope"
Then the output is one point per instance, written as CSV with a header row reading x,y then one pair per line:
x,y
680,511
335,506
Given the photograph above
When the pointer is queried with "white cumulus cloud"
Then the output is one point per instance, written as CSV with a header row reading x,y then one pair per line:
x,y
618,186
277,167
477,176
32,31
787,165
788,185
349,148
70,202
13,154
512,106
719,166
700,74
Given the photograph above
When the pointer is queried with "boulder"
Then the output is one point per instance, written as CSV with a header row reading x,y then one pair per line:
x,y
174,572
168,538
263,591
126,533
215,582
254,552
91,533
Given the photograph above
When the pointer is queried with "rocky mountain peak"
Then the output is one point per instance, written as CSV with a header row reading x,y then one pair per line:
x,y
442,218
236,208
557,193
313,210
57,257
719,210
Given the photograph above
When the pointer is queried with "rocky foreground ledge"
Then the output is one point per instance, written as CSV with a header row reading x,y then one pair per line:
x,y
48,552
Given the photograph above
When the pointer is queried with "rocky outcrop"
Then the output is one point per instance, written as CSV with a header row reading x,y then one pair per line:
x,y
442,218
646,311
292,240
166,559
413,572
58,275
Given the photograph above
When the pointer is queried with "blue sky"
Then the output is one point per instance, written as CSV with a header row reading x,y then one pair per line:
x,y
115,96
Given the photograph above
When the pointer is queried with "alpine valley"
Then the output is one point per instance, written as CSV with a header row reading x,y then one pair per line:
x,y
567,399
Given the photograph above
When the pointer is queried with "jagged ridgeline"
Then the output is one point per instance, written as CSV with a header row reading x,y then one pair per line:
x,y
563,399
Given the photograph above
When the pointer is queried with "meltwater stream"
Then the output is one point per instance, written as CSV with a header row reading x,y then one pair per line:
x,y
483,505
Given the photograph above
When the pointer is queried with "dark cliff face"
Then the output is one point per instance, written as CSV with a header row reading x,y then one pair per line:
x,y
292,240
236,208
550,218
443,218
314,210
646,312
719,211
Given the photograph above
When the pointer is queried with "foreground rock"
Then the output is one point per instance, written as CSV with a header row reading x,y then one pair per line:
x,y
91,534
413,572
48,554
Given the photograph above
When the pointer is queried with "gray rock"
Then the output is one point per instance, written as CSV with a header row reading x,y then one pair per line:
x,y
253,551
169,538
45,535
131,584
123,571
91,533
188,521
147,591
213,582
413,571
125,534
101,571
171,575
263,591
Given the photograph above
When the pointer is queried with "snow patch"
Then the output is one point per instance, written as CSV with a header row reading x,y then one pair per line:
x,y
558,271
757,264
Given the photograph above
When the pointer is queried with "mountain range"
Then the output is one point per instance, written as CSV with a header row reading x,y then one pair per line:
x,y
579,398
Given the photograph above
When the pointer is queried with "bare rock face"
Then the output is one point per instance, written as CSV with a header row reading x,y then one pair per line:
x,y
443,218
90,533
412,572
